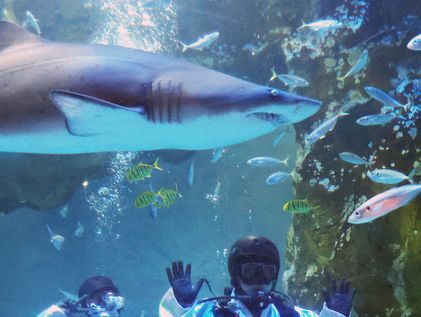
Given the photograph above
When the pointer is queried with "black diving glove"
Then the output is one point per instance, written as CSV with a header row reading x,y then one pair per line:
x,y
180,281
69,305
340,298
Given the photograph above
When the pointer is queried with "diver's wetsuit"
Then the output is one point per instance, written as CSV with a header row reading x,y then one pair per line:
x,y
56,311
169,307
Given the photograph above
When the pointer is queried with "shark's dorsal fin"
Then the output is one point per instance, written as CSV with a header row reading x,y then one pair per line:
x,y
12,34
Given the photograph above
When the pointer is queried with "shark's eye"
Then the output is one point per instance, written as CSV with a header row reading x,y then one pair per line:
x,y
368,208
357,213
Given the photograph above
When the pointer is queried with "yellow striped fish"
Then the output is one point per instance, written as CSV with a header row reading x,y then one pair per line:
x,y
298,206
145,199
142,171
168,196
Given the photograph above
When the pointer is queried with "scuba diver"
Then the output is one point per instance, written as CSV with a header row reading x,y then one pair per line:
x,y
253,265
98,297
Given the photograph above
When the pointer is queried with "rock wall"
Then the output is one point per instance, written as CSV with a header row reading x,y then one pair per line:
x,y
382,259
43,182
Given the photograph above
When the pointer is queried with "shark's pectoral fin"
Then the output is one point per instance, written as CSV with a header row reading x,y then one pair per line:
x,y
88,116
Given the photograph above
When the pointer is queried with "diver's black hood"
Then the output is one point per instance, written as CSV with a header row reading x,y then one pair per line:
x,y
252,249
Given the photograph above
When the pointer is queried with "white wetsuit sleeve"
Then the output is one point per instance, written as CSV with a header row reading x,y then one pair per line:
x,y
53,311
305,312
169,306
326,312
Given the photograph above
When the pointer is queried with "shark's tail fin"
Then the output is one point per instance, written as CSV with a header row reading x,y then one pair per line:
x,y
155,165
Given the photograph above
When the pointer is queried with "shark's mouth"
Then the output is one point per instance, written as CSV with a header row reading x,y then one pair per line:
x,y
274,118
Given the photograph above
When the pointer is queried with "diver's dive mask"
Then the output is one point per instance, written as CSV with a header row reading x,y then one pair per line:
x,y
257,273
113,303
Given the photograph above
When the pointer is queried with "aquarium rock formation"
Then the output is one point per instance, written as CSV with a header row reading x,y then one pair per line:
x,y
381,259
44,182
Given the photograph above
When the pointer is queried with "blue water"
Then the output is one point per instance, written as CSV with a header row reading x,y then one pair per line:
x,y
123,242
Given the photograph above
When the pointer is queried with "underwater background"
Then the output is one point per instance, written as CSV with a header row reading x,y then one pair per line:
x,y
228,199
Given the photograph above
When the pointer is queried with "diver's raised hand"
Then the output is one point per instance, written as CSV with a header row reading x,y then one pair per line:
x,y
69,305
340,298
180,281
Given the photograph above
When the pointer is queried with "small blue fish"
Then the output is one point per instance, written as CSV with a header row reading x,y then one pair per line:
x,y
191,173
217,154
64,211
376,119
289,80
354,159
358,66
390,177
56,239
217,189
267,161
69,295
415,43
153,207
321,131
277,178
80,229
278,138
31,22
383,97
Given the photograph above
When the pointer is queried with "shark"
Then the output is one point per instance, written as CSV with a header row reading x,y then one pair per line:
x,y
71,98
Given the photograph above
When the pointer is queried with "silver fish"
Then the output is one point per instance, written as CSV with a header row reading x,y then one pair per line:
x,y
277,178
289,80
358,66
202,42
415,43
320,25
354,159
267,161
383,97
384,203
56,239
191,173
325,127
278,138
217,154
388,176
376,119
80,229
32,22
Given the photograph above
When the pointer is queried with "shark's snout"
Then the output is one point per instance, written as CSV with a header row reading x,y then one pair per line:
x,y
282,108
